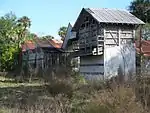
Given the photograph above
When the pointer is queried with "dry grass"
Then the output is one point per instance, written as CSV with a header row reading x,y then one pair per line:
x,y
69,95
120,100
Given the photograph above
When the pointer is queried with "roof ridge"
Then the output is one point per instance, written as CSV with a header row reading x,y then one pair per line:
x,y
108,9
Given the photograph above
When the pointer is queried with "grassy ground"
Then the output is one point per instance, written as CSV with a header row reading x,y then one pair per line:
x,y
66,95
14,94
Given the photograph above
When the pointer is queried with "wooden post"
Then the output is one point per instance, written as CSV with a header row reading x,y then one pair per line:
x,y
133,34
140,45
104,51
119,36
97,50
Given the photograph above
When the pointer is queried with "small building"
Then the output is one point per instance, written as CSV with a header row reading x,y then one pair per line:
x,y
43,53
106,42
143,56
31,55
145,47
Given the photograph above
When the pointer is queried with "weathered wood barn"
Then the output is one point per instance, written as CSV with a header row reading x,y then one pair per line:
x,y
43,54
106,42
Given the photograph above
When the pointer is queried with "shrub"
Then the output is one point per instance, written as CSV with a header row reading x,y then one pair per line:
x,y
142,90
120,100
60,87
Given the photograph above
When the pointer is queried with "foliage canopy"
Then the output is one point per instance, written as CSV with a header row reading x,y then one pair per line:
x,y
141,9
13,32
62,32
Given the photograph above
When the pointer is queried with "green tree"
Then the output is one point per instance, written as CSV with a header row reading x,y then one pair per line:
x,y
62,32
47,37
146,31
141,9
12,34
23,25
24,22
7,40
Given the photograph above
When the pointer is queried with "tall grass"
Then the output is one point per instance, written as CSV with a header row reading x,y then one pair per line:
x,y
73,94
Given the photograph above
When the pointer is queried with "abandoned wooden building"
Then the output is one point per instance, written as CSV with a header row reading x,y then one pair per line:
x,y
104,42
43,54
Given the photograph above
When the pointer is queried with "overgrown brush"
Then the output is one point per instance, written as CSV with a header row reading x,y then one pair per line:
x,y
74,94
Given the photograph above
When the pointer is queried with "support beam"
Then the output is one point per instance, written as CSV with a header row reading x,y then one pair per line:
x,y
113,38
104,75
119,36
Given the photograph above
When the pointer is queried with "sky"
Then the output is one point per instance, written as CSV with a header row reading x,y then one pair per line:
x,y
47,16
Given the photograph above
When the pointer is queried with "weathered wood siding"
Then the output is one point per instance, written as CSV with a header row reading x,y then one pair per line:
x,y
119,51
30,58
90,37
92,67
118,56
105,48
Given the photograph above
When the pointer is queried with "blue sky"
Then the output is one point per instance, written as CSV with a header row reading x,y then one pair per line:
x,y
48,16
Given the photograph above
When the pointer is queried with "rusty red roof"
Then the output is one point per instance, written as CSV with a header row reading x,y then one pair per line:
x,y
145,47
48,43
28,45
43,43
56,43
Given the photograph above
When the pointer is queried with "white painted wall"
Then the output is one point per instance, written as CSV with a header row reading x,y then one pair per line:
x,y
114,58
119,56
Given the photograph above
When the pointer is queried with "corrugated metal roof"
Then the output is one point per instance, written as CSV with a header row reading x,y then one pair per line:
x,y
28,45
56,43
104,15
43,43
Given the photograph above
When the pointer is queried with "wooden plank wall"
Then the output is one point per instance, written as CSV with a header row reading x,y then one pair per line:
x,y
116,35
119,51
91,37
92,66
47,60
